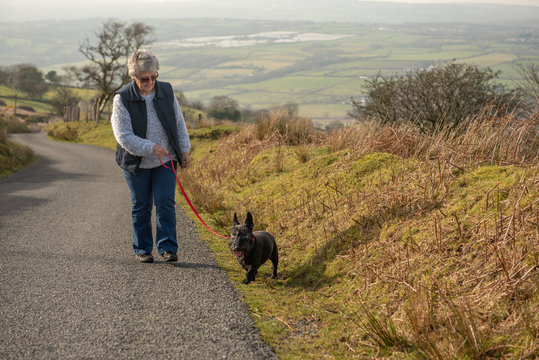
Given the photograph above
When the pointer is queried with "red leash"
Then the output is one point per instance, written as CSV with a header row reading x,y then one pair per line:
x,y
187,198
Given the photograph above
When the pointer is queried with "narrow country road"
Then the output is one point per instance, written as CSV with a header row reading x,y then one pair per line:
x,y
70,287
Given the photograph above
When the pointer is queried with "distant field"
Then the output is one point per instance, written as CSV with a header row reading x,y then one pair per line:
x,y
322,76
492,60
320,66
7,95
321,112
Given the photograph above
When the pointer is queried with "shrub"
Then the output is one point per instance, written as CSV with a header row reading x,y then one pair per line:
x,y
38,118
222,107
13,125
3,132
441,97
27,108
64,132
13,156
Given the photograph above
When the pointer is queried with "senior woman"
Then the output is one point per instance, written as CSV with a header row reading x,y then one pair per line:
x,y
149,127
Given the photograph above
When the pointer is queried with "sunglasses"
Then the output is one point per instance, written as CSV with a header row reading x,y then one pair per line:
x,y
148,79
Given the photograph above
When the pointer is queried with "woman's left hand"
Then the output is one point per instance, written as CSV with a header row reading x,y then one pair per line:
x,y
186,160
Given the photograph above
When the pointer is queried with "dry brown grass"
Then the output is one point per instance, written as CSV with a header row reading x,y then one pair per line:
x,y
286,128
479,296
486,140
3,133
372,136
436,249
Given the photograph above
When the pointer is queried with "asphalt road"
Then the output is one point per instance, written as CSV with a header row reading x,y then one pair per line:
x,y
70,287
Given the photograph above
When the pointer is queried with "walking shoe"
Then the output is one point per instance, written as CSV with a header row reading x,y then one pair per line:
x,y
145,258
169,256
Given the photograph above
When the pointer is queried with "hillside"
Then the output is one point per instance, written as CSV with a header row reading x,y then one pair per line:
x,y
318,65
392,245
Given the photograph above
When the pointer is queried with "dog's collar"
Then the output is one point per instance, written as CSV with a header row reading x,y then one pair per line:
x,y
253,239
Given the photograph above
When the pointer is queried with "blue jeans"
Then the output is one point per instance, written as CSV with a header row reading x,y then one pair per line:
x,y
148,187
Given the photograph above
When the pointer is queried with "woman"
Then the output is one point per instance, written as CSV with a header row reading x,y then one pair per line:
x,y
149,127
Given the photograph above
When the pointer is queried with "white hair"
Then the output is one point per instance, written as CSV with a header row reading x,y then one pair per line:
x,y
142,60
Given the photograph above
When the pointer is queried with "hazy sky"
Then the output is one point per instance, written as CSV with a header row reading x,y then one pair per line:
x,y
25,10
506,2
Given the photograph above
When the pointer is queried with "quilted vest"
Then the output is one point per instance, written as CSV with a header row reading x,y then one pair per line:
x,y
136,106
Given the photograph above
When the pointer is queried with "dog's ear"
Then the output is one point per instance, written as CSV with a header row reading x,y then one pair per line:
x,y
236,222
249,221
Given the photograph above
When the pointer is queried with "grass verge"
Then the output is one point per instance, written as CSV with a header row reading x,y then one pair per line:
x,y
95,133
392,244
13,156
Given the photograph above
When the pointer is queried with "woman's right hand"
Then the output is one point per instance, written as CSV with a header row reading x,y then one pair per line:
x,y
159,151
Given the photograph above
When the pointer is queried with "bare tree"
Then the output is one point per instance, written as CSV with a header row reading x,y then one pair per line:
x,y
107,72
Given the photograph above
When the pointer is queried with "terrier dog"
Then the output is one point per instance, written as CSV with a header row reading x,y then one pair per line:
x,y
252,249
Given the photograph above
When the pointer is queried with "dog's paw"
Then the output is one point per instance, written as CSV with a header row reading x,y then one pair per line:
x,y
245,281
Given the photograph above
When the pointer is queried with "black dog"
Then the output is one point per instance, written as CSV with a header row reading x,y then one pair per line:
x,y
252,249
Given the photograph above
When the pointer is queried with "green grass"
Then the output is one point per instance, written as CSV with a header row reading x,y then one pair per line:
x,y
83,132
13,156
491,60
84,94
7,93
303,315
381,256
36,105
359,240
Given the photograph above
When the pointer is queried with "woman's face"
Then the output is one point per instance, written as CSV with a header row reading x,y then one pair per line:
x,y
145,81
